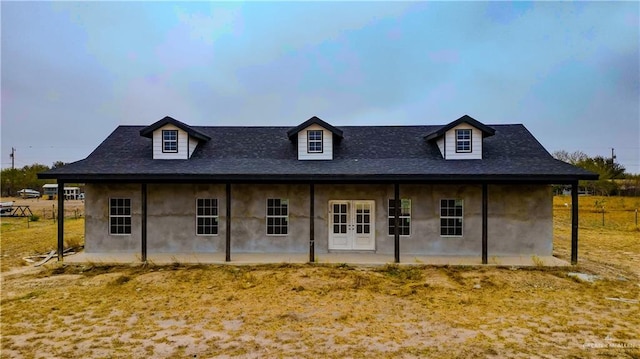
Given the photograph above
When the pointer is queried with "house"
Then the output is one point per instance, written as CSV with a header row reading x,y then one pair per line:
x,y
51,190
464,189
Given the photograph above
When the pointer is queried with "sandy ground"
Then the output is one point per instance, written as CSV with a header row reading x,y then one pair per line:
x,y
316,311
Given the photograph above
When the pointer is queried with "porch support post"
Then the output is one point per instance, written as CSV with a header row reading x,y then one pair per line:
x,y
485,241
396,218
574,223
312,249
143,235
60,220
228,230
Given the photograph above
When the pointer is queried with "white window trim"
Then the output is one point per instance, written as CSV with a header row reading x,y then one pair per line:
x,y
320,141
391,216
208,216
454,217
267,216
470,150
168,141
121,216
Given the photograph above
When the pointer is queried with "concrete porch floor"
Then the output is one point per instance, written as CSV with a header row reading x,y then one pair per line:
x,y
361,259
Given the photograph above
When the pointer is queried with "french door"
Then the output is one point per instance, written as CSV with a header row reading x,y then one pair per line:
x,y
352,225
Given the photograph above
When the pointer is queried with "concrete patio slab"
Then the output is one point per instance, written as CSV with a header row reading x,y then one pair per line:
x,y
358,259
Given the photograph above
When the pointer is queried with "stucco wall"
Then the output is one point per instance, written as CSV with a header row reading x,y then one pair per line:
x,y
425,217
248,211
97,237
520,218
171,218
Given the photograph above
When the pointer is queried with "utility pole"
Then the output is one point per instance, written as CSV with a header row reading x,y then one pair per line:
x,y
613,156
13,166
13,158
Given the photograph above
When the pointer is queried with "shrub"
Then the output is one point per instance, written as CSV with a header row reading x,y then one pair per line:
x,y
34,218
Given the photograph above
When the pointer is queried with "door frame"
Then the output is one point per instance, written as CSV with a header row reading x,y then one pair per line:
x,y
349,241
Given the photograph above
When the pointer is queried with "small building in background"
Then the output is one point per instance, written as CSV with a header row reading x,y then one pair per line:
x,y
50,191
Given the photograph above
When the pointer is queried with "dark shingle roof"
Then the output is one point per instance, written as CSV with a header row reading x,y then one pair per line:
x,y
366,153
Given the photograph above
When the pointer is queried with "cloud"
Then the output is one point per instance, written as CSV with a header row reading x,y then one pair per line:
x,y
93,65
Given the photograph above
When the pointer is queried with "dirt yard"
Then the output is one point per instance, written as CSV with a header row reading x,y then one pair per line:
x,y
330,311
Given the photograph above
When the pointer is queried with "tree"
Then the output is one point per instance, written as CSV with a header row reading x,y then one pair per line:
x,y
58,164
9,177
30,176
607,169
16,179
572,158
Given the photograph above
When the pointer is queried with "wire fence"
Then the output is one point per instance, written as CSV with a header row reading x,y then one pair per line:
x,y
53,213
627,219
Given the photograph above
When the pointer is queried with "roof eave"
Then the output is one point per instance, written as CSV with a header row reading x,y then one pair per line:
x,y
320,178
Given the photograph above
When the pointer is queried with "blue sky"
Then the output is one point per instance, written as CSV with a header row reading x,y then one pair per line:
x,y
73,71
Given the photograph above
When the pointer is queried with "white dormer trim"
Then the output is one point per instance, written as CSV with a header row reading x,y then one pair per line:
x,y
468,148
449,143
193,143
303,144
440,143
179,147
185,144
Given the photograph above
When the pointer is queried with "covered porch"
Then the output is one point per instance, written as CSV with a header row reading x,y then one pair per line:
x,y
338,257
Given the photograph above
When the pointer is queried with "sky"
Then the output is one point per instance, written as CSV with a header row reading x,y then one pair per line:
x,y
71,72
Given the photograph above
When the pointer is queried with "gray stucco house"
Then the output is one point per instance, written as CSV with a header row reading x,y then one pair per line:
x,y
464,188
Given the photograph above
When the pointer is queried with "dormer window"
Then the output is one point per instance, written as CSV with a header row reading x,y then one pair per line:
x,y
170,141
463,141
165,135
314,141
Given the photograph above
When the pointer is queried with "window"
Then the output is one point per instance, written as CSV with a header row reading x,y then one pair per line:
x,y
207,216
404,216
314,141
340,218
363,218
169,140
451,217
463,140
277,216
120,216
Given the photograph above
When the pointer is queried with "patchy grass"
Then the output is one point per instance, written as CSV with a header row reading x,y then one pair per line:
x,y
602,248
21,238
332,310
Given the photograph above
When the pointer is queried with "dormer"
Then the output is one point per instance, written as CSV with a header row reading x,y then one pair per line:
x,y
315,139
462,139
172,139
